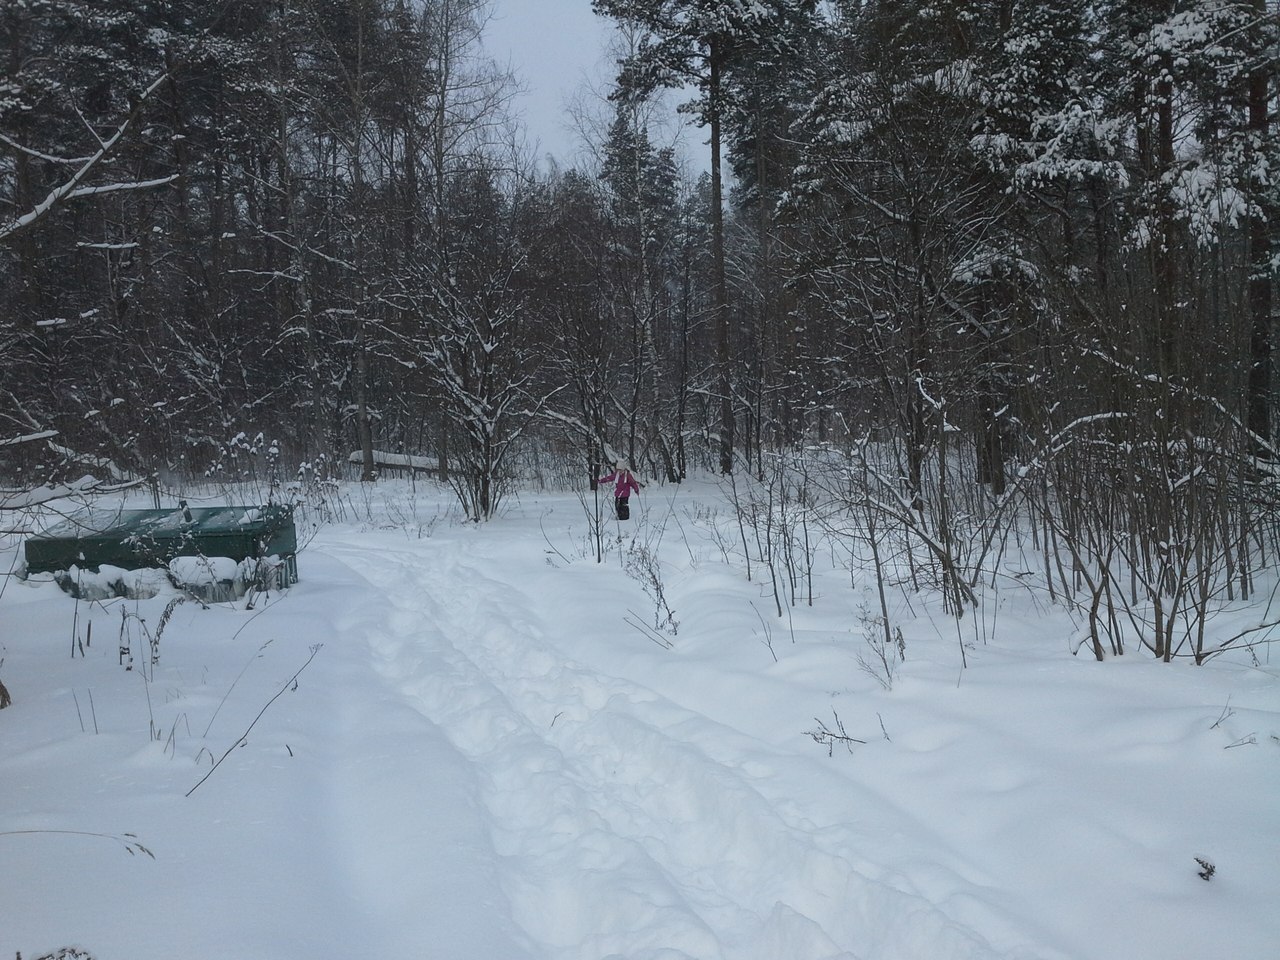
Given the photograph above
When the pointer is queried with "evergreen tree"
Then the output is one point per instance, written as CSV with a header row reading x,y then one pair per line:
x,y
699,43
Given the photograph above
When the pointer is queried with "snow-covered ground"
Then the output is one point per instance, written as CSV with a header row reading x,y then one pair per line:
x,y
495,756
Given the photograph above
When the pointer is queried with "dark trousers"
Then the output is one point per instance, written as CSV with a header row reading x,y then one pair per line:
x,y
623,508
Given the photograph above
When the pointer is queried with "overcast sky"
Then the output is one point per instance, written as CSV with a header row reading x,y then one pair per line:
x,y
554,46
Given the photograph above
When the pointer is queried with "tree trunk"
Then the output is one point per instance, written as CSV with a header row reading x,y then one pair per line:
x,y
721,291
369,470
1260,332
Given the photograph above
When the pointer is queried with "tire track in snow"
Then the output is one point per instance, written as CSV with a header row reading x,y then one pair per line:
x,y
630,825
577,888
410,846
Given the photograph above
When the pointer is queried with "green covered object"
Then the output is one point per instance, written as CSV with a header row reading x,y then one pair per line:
x,y
151,538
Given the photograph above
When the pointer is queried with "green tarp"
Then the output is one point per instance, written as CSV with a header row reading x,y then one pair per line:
x,y
151,538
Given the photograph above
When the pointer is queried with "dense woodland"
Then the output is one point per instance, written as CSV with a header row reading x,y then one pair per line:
x,y
996,257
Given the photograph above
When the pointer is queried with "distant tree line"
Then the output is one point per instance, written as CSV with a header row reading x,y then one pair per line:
x,y
1037,234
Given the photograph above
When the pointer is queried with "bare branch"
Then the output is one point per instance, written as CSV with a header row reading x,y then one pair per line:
x,y
73,188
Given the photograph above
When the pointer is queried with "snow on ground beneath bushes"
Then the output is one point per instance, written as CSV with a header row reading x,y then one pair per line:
x,y
494,755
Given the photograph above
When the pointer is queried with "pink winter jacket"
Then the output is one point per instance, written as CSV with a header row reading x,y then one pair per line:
x,y
624,483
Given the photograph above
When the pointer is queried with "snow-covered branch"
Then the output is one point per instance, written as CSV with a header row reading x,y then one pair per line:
x,y
28,438
22,499
73,187
118,187
38,155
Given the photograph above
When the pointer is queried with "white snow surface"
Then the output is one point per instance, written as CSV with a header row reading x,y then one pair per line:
x,y
487,760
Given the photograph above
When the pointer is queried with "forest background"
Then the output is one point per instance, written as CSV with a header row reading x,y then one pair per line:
x,y
964,266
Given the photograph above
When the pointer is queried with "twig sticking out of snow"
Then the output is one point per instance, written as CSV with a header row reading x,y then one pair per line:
x,y
290,684
633,620
127,840
829,738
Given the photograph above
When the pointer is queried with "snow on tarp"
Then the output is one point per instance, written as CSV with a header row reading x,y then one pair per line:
x,y
204,570
134,538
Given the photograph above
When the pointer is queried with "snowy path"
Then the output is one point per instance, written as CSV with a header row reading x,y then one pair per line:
x,y
630,826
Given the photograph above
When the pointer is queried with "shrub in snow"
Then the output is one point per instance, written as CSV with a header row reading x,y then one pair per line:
x,y
888,650
642,565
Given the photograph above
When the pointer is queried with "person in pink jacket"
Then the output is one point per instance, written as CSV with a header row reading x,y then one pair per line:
x,y
624,484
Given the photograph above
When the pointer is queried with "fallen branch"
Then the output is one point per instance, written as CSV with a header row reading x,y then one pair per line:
x,y
829,738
